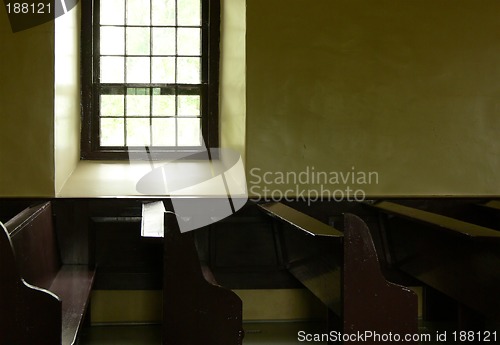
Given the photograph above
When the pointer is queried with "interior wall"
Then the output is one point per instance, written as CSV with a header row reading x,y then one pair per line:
x,y
232,75
26,110
404,89
67,95
144,306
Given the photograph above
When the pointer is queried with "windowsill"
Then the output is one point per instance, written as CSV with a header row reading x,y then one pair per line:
x,y
100,179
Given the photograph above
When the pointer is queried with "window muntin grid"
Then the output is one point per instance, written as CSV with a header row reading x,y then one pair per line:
x,y
152,74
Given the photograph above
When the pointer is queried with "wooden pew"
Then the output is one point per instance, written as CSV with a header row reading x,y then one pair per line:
x,y
493,205
343,271
42,301
459,259
490,210
196,310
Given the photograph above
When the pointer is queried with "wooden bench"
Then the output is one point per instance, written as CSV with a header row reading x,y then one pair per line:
x,y
458,259
491,213
343,271
42,301
196,310
493,205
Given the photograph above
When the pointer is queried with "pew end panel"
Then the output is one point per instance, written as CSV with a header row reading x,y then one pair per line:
x,y
21,304
33,236
372,303
49,300
196,309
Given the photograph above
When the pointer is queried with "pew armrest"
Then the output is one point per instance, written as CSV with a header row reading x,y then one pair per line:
x,y
437,221
491,205
300,220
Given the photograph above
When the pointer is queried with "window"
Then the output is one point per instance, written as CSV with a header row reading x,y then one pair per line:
x,y
149,77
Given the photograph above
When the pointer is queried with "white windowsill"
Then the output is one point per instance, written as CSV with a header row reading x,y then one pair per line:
x,y
99,179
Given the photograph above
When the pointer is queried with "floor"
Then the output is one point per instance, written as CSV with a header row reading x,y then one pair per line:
x,y
275,333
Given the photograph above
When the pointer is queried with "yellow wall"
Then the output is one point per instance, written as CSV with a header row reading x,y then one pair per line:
x,y
26,110
145,306
232,75
408,89
67,95
39,106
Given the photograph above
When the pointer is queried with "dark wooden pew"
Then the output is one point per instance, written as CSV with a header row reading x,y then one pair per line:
x,y
461,260
196,309
490,210
42,301
343,271
493,205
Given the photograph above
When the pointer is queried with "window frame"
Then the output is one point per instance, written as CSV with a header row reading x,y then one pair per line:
x,y
90,148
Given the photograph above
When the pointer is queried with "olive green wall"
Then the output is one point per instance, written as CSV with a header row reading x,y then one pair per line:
x,y
408,89
39,106
67,95
232,76
26,110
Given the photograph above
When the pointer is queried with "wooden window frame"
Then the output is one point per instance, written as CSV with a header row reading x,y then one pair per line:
x,y
90,147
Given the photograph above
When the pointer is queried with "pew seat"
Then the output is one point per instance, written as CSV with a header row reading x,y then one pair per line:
x,y
42,301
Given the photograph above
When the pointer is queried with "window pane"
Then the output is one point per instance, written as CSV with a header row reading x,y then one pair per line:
x,y
189,12
138,70
188,70
138,12
150,115
163,41
138,132
112,132
111,105
189,40
163,132
163,105
112,12
163,70
112,41
188,132
112,70
163,12
138,41
188,105
138,105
